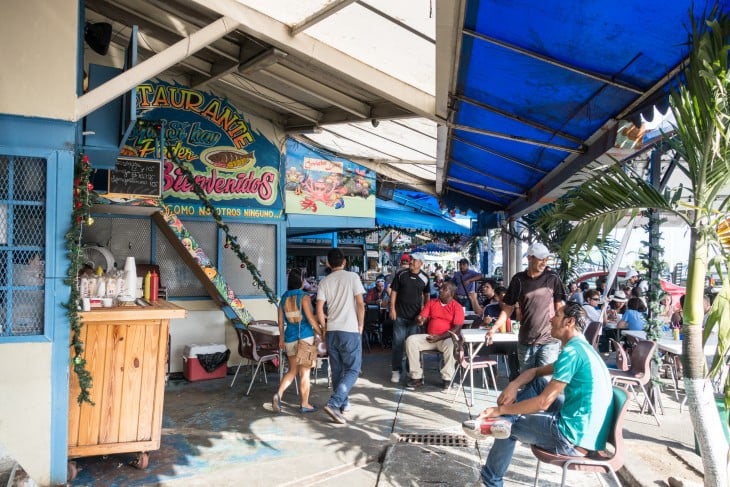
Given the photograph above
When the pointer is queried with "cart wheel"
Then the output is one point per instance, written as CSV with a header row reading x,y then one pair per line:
x,y
142,460
71,471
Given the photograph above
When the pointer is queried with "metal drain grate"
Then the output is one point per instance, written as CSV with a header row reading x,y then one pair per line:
x,y
434,439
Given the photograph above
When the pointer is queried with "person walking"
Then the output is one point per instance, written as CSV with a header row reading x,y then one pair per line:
x,y
295,311
539,293
409,294
343,292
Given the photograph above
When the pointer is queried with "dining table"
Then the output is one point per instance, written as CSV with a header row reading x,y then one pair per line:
x,y
474,338
667,343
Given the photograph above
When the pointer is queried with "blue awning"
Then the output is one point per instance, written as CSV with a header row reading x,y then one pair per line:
x,y
407,219
540,87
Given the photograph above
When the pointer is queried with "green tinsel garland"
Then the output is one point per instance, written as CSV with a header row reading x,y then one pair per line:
x,y
83,197
231,240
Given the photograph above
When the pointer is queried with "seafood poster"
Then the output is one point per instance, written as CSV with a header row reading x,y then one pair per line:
x,y
316,183
234,158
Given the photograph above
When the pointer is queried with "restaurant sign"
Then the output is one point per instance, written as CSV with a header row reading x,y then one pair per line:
x,y
317,183
234,162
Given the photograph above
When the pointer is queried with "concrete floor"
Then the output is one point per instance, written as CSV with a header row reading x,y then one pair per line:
x,y
214,435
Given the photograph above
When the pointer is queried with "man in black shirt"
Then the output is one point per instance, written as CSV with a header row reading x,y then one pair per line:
x,y
409,294
540,293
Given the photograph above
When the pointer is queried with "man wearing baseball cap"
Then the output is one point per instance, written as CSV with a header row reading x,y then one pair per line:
x,y
539,293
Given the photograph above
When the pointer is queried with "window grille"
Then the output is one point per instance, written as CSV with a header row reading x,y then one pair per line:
x,y
22,245
125,236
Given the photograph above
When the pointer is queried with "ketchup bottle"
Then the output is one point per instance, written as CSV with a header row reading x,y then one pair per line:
x,y
154,285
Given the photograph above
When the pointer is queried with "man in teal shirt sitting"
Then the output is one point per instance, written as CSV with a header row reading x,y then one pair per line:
x,y
569,415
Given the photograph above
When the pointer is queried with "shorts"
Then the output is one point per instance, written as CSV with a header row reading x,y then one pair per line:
x,y
291,347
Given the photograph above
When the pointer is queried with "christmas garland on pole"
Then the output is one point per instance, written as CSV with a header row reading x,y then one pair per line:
x,y
83,198
231,240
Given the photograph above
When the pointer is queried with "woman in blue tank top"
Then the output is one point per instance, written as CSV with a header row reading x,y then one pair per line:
x,y
295,311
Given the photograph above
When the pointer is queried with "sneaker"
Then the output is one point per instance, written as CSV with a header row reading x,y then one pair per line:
x,y
414,384
445,385
395,377
335,414
480,429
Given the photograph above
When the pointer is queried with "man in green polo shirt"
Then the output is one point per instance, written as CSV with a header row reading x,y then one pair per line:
x,y
578,400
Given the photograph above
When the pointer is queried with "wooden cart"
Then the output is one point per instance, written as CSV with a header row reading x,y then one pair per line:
x,y
125,351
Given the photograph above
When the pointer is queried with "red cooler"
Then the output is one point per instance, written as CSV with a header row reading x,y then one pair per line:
x,y
193,371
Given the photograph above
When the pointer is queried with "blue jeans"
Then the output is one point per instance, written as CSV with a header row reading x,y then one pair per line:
x,y
537,355
345,351
402,329
539,429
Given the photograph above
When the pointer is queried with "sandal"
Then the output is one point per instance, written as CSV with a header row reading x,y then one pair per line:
x,y
304,410
276,403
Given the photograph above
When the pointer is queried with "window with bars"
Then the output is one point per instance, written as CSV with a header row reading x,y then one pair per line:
x,y
125,237
22,245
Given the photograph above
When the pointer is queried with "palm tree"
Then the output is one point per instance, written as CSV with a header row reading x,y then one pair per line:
x,y
701,107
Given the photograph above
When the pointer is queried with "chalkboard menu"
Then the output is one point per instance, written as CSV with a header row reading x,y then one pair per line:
x,y
135,178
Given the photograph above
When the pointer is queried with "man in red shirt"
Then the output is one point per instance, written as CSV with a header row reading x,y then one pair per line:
x,y
443,314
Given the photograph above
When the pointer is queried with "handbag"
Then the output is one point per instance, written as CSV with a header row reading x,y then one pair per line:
x,y
306,352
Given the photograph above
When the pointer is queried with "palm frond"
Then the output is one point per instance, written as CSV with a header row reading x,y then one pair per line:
x,y
598,204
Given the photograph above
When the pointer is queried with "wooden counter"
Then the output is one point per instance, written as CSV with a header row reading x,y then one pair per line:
x,y
126,351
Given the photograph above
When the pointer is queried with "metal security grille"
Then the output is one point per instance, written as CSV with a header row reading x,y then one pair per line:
x,y
259,244
123,237
22,245
434,439
178,278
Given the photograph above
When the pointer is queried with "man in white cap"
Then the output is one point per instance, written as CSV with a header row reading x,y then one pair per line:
x,y
540,294
410,291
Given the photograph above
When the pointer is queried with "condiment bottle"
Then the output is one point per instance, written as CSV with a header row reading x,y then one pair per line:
x,y
146,287
154,285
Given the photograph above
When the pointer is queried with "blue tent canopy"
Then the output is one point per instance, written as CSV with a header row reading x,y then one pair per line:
x,y
540,88
394,215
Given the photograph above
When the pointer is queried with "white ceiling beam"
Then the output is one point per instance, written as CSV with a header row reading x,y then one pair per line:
x,y
271,97
354,71
153,66
319,16
449,22
318,90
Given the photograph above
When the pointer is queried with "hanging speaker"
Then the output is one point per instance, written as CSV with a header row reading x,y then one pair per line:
x,y
98,36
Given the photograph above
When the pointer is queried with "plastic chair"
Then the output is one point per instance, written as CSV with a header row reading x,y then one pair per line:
x,y
430,352
249,350
622,360
465,363
639,373
593,333
322,356
602,461
373,328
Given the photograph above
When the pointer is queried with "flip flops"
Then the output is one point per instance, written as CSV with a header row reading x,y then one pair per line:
x,y
276,403
304,410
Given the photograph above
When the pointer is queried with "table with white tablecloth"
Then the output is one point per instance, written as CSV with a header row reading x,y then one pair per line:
x,y
477,336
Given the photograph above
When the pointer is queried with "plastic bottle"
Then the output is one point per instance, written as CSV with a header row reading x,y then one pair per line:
x,y
146,287
154,285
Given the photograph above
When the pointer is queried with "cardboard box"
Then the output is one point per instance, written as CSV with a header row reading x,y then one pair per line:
x,y
193,371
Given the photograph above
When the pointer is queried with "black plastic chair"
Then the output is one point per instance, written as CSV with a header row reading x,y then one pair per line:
x,y
249,350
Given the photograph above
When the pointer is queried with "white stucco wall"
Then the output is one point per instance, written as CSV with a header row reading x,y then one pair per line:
x,y
206,323
38,53
25,406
